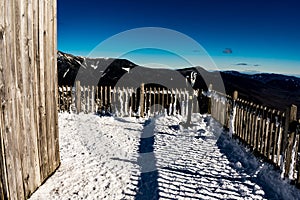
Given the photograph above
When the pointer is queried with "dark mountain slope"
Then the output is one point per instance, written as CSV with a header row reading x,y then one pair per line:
x,y
90,70
273,90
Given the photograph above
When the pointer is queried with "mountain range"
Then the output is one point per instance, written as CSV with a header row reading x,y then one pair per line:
x,y
272,90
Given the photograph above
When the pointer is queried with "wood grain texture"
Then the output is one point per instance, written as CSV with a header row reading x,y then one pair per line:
x,y
28,87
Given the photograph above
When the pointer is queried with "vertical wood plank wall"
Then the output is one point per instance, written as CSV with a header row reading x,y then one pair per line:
x,y
28,91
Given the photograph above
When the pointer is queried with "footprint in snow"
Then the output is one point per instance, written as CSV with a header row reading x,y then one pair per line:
x,y
200,136
174,127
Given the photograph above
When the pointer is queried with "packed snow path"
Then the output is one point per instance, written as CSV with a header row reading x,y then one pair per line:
x,y
128,158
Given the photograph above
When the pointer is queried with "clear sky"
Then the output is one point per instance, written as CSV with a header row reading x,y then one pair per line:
x,y
244,35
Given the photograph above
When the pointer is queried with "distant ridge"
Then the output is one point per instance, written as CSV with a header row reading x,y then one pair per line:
x,y
273,90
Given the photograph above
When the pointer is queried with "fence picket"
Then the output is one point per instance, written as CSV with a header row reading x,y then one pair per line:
x,y
92,99
253,126
255,142
142,91
237,121
275,138
267,133
244,123
88,110
279,146
288,137
271,143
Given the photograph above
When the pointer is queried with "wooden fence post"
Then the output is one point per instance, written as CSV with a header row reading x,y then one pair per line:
x,y
189,112
62,99
93,99
105,97
97,98
297,157
149,101
69,94
88,99
158,100
125,102
233,104
271,136
235,95
295,151
101,97
78,96
154,100
288,138
146,101
199,93
209,100
142,91
163,100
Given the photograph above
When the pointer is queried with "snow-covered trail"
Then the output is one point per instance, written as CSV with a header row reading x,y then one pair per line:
x,y
128,158
190,165
90,149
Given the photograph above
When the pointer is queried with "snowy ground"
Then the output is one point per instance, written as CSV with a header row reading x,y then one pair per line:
x,y
129,158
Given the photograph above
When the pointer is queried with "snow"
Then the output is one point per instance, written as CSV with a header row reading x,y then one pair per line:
x,y
94,66
66,73
135,158
126,69
232,120
291,172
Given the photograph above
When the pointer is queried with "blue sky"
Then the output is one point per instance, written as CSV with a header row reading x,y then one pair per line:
x,y
241,35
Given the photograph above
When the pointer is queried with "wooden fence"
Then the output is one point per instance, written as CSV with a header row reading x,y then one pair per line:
x,y
220,107
125,101
29,149
270,134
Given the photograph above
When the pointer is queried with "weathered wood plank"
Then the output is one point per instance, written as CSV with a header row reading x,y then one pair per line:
x,y
84,99
252,126
259,132
18,101
279,146
101,97
244,133
271,136
267,135
275,139
237,122
255,142
105,96
159,102
289,153
288,137
93,99
142,99
4,158
31,174
6,155
3,173
163,99
78,97
294,158
247,124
